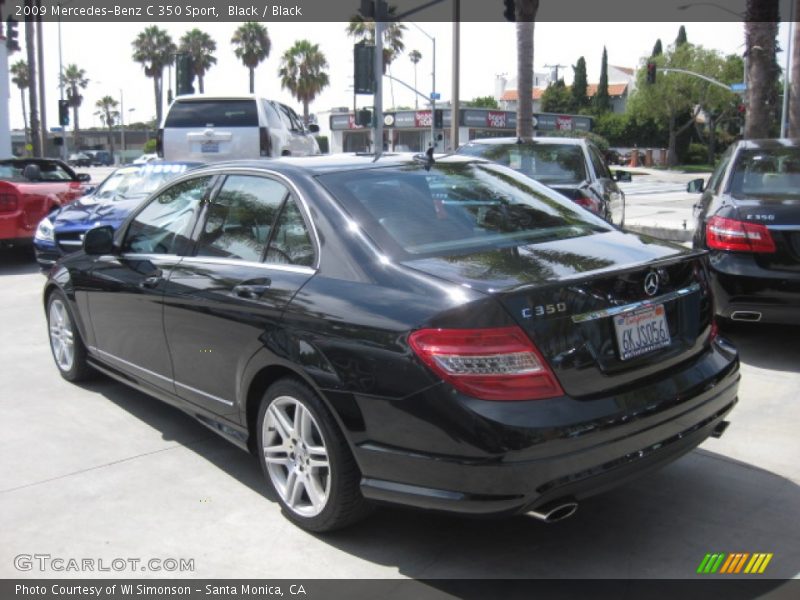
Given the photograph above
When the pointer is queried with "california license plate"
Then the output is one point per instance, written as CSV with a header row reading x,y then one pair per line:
x,y
641,331
208,147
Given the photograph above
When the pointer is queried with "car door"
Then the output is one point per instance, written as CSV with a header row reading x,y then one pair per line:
x,y
606,188
125,298
254,251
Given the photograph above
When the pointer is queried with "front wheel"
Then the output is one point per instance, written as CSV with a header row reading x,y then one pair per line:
x,y
306,459
66,344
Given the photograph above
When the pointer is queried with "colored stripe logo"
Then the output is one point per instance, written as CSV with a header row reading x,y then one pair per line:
x,y
734,563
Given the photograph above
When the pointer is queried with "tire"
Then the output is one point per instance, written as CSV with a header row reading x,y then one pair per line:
x,y
300,431
69,351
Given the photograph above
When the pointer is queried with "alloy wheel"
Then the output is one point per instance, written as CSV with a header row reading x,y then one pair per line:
x,y
61,337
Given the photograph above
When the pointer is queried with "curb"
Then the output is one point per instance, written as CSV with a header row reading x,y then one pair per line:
x,y
663,233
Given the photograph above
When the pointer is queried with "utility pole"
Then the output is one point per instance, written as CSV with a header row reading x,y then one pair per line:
x,y
64,151
377,134
454,111
5,98
33,97
42,101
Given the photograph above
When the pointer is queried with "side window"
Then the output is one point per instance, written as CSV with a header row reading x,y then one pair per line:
x,y
165,224
273,120
239,221
715,181
296,120
291,243
285,118
600,168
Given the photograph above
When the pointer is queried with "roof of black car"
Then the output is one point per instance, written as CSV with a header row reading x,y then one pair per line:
x,y
770,144
537,140
327,163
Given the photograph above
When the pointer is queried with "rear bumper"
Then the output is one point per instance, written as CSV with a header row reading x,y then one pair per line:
x,y
579,447
741,286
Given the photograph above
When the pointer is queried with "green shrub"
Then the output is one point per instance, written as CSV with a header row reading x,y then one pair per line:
x,y
696,154
149,147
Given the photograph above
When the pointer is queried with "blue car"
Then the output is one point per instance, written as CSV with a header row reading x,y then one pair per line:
x,y
62,231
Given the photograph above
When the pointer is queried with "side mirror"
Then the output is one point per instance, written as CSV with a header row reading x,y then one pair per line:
x,y
695,186
99,240
84,177
313,128
622,176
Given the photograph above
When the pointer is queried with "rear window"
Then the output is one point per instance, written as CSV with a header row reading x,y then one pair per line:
x,y
213,113
774,172
549,163
412,212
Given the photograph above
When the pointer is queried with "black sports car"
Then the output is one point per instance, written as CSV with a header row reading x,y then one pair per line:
x,y
749,218
448,335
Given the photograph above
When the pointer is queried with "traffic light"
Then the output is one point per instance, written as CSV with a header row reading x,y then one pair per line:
x,y
184,74
364,69
651,72
63,112
510,12
438,119
364,118
12,35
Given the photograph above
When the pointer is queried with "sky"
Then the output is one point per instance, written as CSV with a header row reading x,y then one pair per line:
x,y
487,49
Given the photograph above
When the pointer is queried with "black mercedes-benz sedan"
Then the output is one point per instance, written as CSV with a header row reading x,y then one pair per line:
x,y
446,334
749,218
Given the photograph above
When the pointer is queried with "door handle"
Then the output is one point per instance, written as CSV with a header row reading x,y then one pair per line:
x,y
152,281
251,291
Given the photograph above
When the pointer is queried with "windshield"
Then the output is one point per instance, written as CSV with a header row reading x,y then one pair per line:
x,y
773,172
134,182
455,209
549,163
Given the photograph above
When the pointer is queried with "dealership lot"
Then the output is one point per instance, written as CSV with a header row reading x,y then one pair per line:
x,y
101,471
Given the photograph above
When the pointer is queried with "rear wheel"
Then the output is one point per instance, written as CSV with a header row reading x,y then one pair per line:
x,y
66,344
306,459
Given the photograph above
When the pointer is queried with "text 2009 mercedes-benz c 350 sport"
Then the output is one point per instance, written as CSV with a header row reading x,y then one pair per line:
x,y
448,335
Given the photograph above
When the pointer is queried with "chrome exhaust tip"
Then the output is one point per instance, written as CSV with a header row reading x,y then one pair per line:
x,y
554,511
746,315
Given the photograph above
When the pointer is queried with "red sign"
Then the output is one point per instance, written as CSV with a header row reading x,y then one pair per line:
x,y
496,119
564,124
422,118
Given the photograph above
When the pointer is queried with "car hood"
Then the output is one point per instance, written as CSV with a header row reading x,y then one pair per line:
x,y
87,212
505,269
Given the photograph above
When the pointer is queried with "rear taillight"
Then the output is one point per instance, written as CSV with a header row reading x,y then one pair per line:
x,y
491,364
160,143
738,236
591,204
263,140
8,202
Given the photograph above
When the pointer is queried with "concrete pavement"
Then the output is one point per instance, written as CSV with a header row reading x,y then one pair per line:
x,y
657,204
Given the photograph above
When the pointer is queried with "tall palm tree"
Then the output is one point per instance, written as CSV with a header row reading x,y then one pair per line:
x,y
154,49
361,29
33,97
19,77
200,46
526,17
794,96
108,113
302,72
75,80
415,56
252,45
763,72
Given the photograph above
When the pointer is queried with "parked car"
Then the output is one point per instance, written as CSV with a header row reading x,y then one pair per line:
x,y
79,159
216,128
748,217
145,158
30,188
449,335
100,158
573,167
62,231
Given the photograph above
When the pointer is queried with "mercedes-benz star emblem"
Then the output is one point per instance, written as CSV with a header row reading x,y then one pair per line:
x,y
651,283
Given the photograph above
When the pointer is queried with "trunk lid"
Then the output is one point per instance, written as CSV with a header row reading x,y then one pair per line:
x,y
781,215
569,296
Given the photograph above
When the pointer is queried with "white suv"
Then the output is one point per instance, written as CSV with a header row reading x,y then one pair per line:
x,y
214,128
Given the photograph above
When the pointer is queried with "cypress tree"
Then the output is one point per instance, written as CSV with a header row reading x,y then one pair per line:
x,y
681,39
602,101
579,85
657,49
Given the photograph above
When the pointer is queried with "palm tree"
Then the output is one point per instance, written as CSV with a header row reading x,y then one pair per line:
x,y
30,49
74,79
302,72
154,49
200,46
108,113
415,56
763,72
19,77
526,17
251,45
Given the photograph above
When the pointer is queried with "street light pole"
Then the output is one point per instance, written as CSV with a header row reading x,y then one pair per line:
x,y
785,109
64,153
433,83
454,120
122,126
